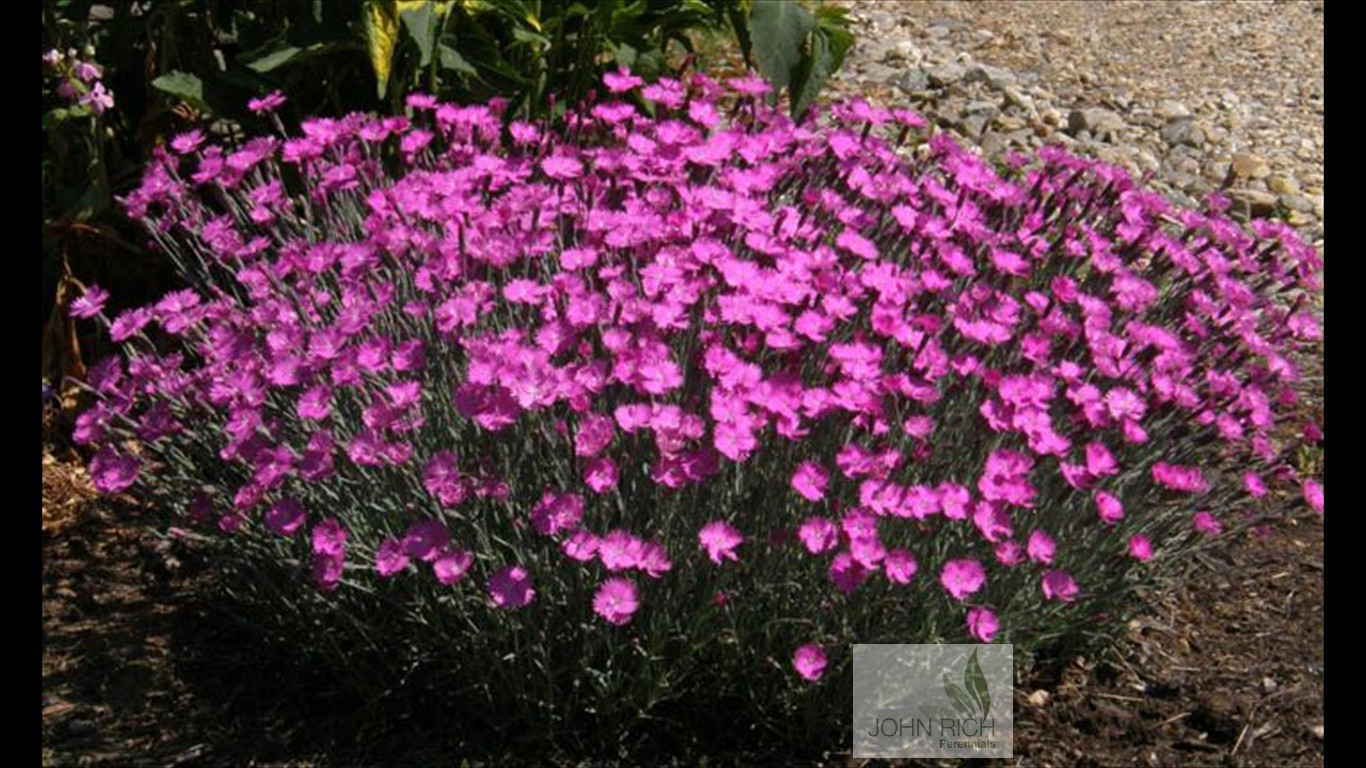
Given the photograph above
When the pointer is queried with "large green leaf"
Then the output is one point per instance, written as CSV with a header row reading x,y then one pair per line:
x,y
422,24
183,86
777,31
452,60
274,59
830,41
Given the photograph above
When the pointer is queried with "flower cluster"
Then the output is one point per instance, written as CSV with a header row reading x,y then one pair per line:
x,y
79,80
677,335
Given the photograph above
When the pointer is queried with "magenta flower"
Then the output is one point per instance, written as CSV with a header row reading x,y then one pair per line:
x,y
89,304
983,624
600,475
620,551
962,578
1109,508
582,546
810,481
557,512
1313,495
1256,488
809,661
1140,548
1010,553
616,601
327,572
818,535
900,566
511,587
266,104
285,517
99,99
1207,524
329,539
425,540
1041,547
847,573
112,472
1057,585
390,558
720,539
621,81
452,565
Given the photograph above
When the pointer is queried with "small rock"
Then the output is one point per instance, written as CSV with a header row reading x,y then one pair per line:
x,y
945,75
1038,698
992,77
1013,97
1317,732
1097,121
914,81
1246,165
1183,133
1297,203
1172,110
1258,204
1282,185
904,50
1268,684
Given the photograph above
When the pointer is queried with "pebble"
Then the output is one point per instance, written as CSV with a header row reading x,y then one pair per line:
x,y
1183,133
1097,121
1246,165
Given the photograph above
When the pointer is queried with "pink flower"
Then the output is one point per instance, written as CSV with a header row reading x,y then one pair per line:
x,y
1010,553
390,559
962,578
511,587
451,567
621,81
720,539
600,475
1057,585
267,104
810,481
425,539
1111,511
1041,548
1140,548
285,517
818,535
1207,524
90,303
582,546
1313,495
112,472
900,566
329,539
847,573
809,661
1256,488
616,601
1099,461
1124,405
557,512
983,624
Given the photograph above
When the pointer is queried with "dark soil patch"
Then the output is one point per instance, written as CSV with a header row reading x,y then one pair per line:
x,y
1228,672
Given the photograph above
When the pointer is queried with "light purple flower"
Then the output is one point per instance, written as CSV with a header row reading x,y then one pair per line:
x,y
983,624
720,539
1057,585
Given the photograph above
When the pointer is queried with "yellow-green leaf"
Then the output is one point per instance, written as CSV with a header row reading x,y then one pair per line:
x,y
381,34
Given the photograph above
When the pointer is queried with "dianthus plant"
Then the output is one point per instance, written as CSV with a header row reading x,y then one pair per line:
x,y
672,398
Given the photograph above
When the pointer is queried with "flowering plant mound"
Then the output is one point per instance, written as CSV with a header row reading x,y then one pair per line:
x,y
676,396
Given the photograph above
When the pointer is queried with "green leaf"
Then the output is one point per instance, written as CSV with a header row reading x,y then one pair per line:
x,y
830,41
975,681
777,31
274,59
381,33
422,24
451,59
183,86
958,698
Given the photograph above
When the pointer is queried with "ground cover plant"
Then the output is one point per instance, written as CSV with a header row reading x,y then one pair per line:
x,y
638,417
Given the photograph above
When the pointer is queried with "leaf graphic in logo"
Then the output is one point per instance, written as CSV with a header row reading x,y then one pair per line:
x,y
958,698
976,684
